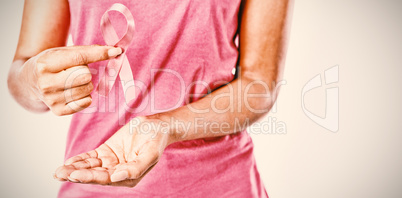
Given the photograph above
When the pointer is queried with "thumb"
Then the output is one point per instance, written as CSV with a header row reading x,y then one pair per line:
x,y
93,53
133,170
66,57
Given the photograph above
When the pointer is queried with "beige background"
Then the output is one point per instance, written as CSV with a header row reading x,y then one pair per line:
x,y
362,159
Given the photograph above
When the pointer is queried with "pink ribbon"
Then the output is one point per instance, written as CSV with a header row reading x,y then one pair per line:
x,y
119,64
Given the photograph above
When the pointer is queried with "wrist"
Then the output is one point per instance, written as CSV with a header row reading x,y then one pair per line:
x,y
27,76
161,125
20,87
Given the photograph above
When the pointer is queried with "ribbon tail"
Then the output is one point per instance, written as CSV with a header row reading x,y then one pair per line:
x,y
109,77
127,80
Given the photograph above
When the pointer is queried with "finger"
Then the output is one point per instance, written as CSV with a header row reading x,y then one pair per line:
x,y
58,59
59,179
109,157
77,105
88,163
82,156
134,169
98,176
131,182
74,76
64,171
77,93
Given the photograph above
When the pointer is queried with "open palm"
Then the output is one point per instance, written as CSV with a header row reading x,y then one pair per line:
x,y
123,160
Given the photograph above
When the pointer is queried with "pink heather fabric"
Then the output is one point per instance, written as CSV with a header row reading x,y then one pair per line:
x,y
188,41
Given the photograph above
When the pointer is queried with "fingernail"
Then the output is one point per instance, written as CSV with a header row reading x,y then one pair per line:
x,y
119,176
114,52
73,180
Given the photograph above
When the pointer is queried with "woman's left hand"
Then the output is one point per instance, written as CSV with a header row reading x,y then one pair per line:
x,y
123,160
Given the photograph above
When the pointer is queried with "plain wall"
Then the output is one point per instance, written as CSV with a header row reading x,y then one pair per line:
x,y
361,159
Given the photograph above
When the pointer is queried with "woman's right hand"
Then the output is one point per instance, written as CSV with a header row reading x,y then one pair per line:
x,y
60,77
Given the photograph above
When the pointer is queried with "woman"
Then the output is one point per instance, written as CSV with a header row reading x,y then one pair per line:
x,y
188,118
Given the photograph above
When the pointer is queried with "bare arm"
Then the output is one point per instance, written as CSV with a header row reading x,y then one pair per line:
x,y
127,156
263,36
45,25
45,74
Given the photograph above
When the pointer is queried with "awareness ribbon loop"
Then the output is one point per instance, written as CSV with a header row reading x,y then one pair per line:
x,y
120,64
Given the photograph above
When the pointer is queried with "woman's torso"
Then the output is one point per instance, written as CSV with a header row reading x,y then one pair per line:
x,y
176,43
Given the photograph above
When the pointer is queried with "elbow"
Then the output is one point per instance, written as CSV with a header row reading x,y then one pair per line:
x,y
259,104
259,95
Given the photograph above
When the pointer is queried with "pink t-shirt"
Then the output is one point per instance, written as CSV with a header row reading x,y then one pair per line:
x,y
176,43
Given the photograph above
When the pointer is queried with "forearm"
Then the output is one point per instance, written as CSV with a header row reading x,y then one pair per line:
x,y
45,25
227,110
21,93
264,31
